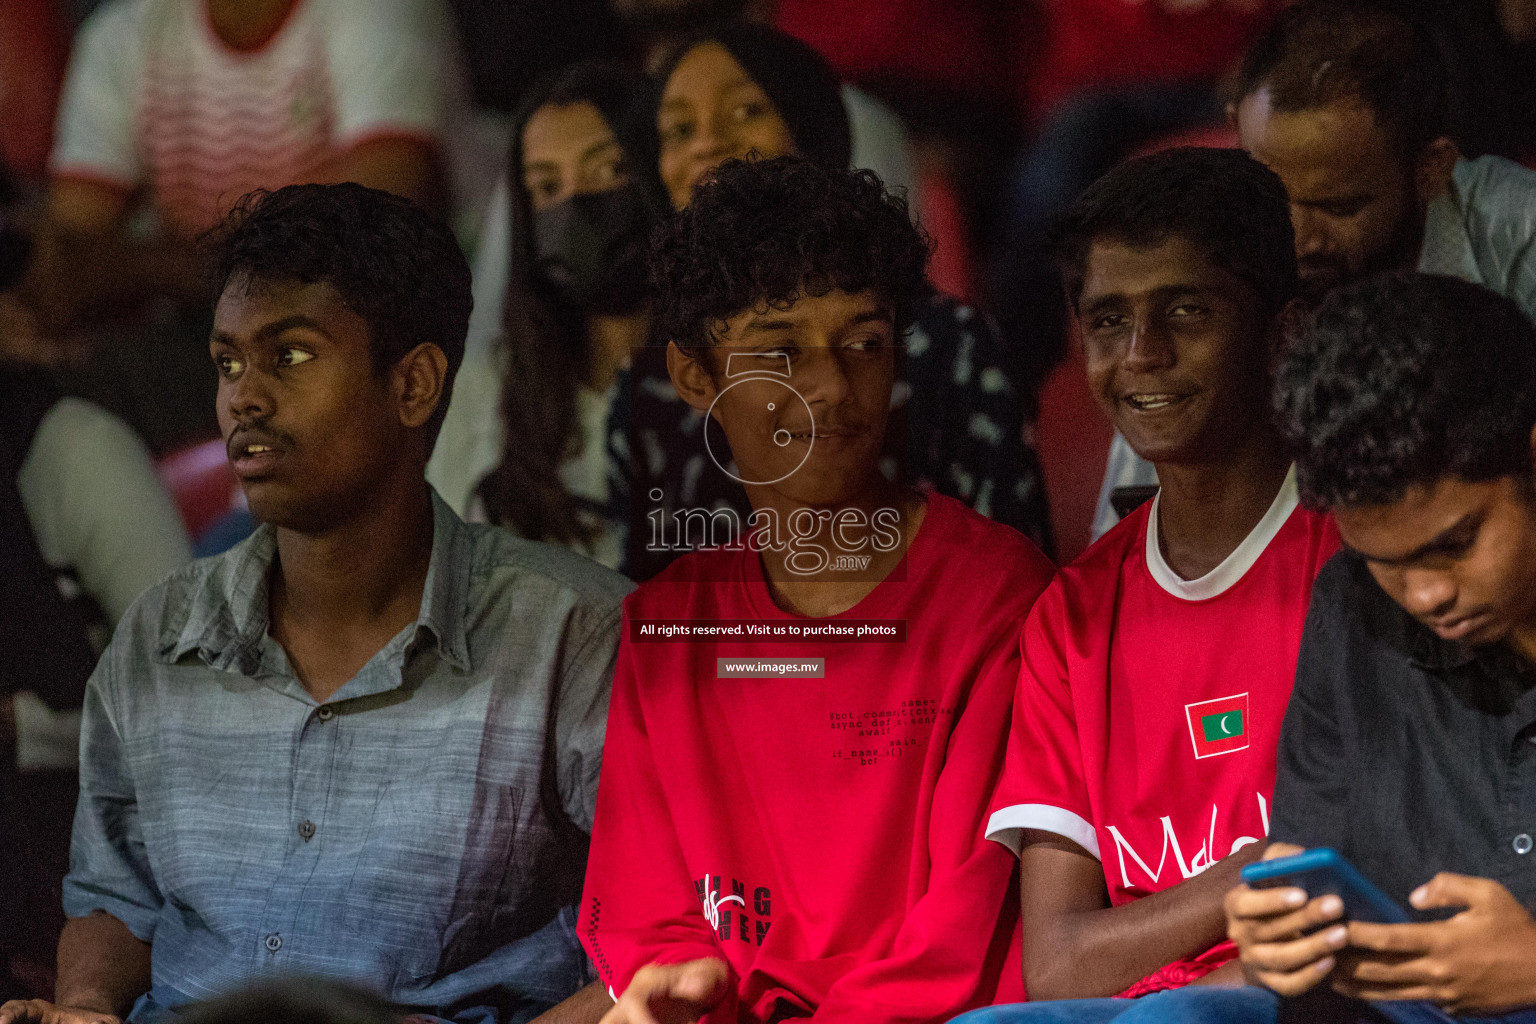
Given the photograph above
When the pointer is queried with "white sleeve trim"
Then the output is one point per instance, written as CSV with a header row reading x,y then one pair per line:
x,y
1236,565
1007,826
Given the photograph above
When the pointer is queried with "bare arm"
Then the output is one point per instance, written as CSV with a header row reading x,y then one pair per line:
x,y
103,968
102,965
585,1007
1518,18
83,265
1078,946
407,167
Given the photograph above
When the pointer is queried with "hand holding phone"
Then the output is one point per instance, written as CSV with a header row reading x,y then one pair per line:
x,y
1323,871
1286,942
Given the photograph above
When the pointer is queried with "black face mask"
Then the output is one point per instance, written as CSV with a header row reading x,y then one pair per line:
x,y
591,249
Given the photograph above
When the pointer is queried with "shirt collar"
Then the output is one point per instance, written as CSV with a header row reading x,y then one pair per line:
x,y
1430,652
1447,248
225,619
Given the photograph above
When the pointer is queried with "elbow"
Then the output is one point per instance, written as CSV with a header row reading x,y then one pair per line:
x,y
1048,974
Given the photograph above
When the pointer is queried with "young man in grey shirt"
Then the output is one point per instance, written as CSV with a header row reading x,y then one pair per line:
x,y
364,743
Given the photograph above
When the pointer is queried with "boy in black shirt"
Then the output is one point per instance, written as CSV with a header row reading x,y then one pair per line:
x,y
1410,741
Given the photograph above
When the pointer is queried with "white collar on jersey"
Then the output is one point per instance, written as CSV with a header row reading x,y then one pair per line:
x,y
1235,565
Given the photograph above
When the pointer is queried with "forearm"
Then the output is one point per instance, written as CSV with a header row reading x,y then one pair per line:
x,y
585,1007
102,965
1103,951
1518,19
75,277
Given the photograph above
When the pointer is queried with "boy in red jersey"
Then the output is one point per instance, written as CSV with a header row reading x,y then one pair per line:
x,y
799,838
1158,665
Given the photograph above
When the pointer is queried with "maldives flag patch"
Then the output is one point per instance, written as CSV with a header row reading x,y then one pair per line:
x,y
1219,726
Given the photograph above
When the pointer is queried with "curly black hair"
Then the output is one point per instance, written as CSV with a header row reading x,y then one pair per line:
x,y
1222,200
394,264
1402,379
759,234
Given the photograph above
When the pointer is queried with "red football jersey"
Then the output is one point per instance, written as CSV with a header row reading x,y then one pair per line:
x,y
819,834
1149,707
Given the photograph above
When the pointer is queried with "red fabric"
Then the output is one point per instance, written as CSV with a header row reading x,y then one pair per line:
x,y
199,477
944,44
1072,438
1117,676
32,54
832,826
952,270
1077,44
1182,972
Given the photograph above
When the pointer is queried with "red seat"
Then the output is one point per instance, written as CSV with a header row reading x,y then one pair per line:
x,y
1210,136
953,267
1072,438
203,484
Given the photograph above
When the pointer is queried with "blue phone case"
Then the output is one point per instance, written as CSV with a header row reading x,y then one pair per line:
x,y
1323,871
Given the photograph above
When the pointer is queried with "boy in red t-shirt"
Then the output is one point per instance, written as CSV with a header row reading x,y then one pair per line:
x,y
793,791
1157,667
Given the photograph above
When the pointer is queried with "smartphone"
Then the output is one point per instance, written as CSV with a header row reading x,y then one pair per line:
x,y
1323,871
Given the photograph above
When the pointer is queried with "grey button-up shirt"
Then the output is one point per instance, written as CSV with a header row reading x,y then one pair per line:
x,y
1482,230
419,833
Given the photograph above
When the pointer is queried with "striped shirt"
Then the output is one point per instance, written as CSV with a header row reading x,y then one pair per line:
x,y
419,833
155,100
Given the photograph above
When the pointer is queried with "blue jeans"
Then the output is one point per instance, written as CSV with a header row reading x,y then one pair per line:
x,y
1200,1005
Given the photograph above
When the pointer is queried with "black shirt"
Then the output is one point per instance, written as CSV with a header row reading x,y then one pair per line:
x,y
1408,754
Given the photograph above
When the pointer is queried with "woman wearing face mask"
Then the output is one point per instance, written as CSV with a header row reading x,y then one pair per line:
x,y
751,89
557,335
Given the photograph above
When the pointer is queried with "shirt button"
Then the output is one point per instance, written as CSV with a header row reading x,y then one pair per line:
x,y
274,942
1522,844
325,714
306,830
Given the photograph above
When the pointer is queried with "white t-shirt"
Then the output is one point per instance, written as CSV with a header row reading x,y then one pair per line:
x,y
155,100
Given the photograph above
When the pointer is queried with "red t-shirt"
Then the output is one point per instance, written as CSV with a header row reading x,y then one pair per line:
x,y
952,46
819,834
1149,707
1080,44
32,50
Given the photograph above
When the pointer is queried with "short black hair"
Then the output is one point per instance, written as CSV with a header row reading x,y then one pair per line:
x,y
762,233
1318,52
394,264
1402,379
1221,200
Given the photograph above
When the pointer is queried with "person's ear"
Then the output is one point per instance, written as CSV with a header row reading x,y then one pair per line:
x,y
1231,112
421,376
693,380
1432,172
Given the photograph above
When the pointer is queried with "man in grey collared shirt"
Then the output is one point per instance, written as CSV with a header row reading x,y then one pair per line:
x,y
365,743
1350,106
